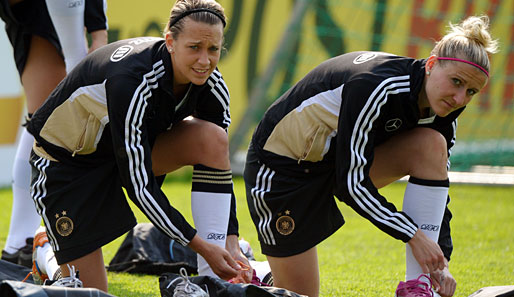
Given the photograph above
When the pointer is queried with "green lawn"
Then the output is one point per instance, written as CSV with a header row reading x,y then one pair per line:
x,y
360,260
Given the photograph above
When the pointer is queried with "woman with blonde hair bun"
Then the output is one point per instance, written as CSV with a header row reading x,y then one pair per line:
x,y
354,124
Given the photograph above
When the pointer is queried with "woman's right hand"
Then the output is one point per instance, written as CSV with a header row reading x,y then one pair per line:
x,y
427,252
218,258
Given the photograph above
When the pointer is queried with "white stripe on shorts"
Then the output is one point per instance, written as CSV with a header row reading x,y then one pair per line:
x,y
263,186
38,192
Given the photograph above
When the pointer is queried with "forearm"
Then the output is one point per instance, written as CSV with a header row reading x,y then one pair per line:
x,y
381,213
98,39
199,245
232,244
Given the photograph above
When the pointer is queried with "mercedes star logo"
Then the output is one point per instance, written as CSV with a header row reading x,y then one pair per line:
x,y
393,125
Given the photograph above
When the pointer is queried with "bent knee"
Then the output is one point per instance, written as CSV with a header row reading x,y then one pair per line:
x,y
429,142
213,145
430,152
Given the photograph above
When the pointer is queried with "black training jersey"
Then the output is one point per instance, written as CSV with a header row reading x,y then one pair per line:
x,y
112,106
337,114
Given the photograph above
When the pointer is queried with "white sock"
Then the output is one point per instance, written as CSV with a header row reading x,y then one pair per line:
x,y
46,258
424,201
261,268
210,204
68,19
24,217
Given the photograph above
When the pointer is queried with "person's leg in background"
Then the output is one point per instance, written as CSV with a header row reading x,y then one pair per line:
x,y
68,21
44,69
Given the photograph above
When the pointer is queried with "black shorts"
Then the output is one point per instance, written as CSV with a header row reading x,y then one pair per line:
x,y
22,20
83,208
292,213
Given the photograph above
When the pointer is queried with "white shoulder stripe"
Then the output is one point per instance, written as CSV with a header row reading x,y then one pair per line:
x,y
329,100
218,85
220,91
95,92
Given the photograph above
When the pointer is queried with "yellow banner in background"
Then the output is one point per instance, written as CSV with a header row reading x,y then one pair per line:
x,y
410,28
332,27
252,33
10,114
255,29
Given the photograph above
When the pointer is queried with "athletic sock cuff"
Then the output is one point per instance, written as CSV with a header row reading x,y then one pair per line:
x,y
57,275
207,179
431,183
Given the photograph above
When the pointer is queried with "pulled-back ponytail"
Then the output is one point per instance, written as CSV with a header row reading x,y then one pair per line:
x,y
469,40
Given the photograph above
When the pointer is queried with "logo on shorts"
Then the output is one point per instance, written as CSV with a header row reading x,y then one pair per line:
x,y
121,52
285,224
64,224
364,58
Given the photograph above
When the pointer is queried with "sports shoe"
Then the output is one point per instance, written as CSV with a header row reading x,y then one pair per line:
x,y
263,272
185,288
39,241
267,279
23,256
71,281
13,258
415,288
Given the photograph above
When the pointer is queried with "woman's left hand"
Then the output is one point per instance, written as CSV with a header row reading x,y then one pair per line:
x,y
246,274
443,281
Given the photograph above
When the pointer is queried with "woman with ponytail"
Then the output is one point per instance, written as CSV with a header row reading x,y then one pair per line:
x,y
354,124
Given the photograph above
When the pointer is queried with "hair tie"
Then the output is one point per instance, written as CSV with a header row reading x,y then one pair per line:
x,y
188,12
467,62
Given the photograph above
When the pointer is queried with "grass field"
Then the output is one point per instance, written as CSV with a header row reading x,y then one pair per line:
x,y
360,260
